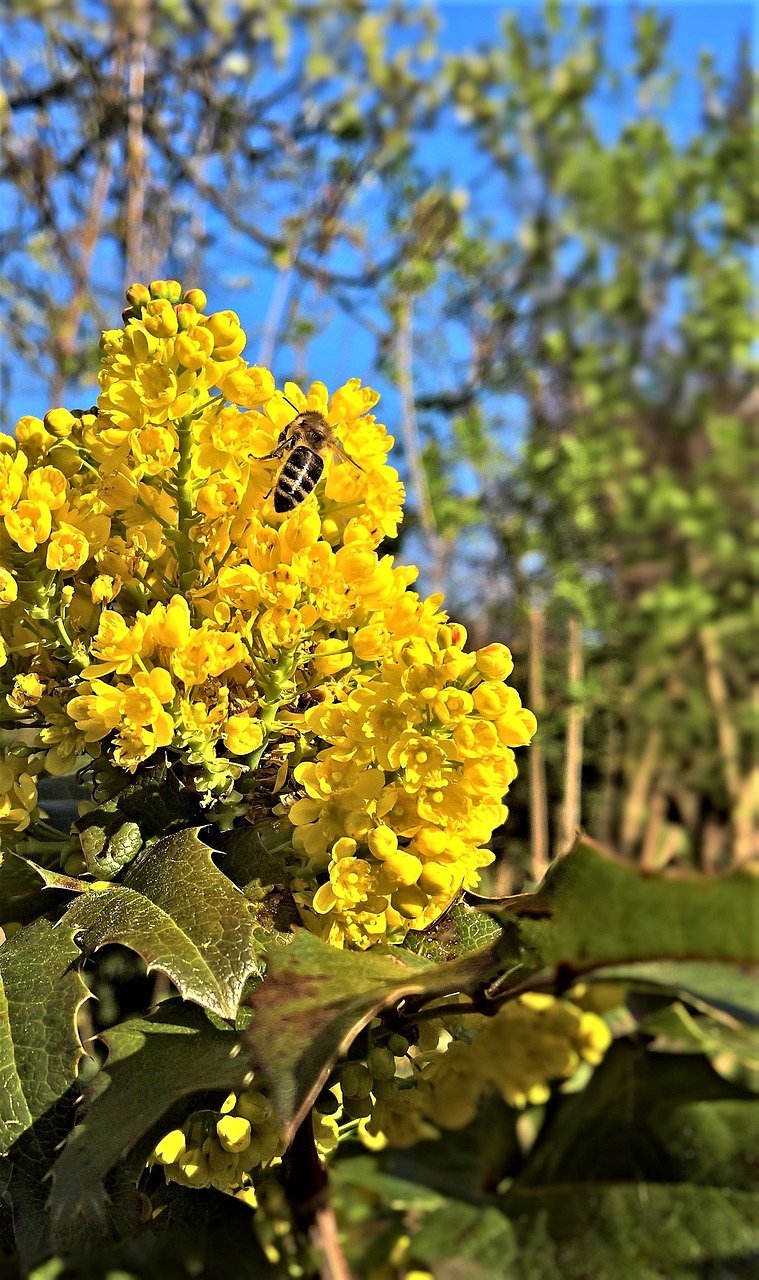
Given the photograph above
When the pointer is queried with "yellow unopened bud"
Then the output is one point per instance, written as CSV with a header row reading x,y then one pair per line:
x,y
410,901
495,662
401,869
491,698
59,422
171,290
355,1080
196,298
439,881
66,459
234,1133
171,1147
383,842
186,315
381,1063
138,295
228,337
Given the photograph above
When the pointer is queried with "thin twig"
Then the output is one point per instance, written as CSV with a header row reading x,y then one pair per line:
x,y
307,1187
412,443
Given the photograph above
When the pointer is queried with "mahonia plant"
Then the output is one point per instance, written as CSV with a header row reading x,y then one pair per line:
x,y
156,609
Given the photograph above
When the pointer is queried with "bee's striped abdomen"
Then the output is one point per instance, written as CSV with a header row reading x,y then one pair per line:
x,y
298,477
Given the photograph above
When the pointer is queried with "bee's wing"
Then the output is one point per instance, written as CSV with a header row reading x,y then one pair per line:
x,y
339,450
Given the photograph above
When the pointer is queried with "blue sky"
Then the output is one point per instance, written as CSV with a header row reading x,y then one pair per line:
x,y
342,348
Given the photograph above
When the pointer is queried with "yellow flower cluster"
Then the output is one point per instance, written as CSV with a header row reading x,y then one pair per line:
x,y
226,1149
401,801
18,788
527,1044
155,607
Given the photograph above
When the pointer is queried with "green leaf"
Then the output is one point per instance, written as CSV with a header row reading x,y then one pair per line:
x,y
650,1117
462,929
41,993
713,984
183,916
152,1064
467,1242
315,1000
593,910
649,1231
109,842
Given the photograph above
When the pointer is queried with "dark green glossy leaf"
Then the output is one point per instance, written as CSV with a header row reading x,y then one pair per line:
x,y
183,916
41,993
593,910
731,988
650,1117
649,1231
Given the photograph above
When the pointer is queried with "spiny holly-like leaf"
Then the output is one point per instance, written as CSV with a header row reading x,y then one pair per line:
x,y
593,910
152,1064
183,916
19,890
40,996
40,1050
315,1000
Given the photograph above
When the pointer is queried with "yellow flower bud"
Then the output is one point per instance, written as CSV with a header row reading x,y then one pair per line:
x,y
170,290
495,662
228,337
196,298
138,295
171,1147
60,423
491,699
233,1132
383,842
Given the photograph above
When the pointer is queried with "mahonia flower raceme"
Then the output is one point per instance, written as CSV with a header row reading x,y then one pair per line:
x,y
154,606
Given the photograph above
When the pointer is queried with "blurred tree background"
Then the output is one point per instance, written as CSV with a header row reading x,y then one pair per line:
x,y
545,274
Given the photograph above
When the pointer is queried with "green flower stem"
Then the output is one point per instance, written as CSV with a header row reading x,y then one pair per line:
x,y
274,682
184,504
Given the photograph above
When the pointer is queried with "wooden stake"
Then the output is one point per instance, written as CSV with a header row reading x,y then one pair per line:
x,y
538,791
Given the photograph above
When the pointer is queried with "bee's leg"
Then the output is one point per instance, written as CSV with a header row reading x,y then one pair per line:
x,y
275,453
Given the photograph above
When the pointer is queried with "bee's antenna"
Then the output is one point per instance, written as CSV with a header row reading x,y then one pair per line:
x,y
292,406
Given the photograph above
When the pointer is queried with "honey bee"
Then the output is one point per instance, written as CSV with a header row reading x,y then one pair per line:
x,y
304,440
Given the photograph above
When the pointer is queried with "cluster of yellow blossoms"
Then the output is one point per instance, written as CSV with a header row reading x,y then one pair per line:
x,y
225,1149
154,606
401,1093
